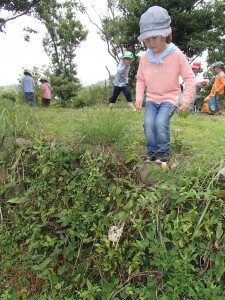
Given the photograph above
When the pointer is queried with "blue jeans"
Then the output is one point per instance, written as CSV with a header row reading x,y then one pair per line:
x,y
117,90
157,126
30,98
217,99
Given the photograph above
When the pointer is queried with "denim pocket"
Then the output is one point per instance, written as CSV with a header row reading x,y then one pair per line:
x,y
173,108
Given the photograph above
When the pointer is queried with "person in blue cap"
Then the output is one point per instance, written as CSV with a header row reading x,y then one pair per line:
x,y
218,87
121,80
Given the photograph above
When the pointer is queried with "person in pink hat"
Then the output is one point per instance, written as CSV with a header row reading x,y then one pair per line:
x,y
158,73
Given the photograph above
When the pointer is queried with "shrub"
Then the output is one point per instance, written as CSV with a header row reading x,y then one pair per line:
x,y
95,94
56,212
8,94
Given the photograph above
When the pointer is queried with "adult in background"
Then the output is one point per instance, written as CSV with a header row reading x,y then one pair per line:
x,y
28,87
46,91
217,90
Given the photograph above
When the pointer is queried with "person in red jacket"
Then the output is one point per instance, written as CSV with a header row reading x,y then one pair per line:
x,y
217,90
46,91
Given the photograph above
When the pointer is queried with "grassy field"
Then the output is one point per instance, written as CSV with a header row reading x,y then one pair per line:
x,y
199,137
81,173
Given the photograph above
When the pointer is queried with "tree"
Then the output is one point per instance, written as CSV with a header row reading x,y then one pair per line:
x,y
64,35
216,49
16,8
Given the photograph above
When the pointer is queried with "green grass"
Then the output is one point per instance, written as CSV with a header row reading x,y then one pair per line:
x,y
197,136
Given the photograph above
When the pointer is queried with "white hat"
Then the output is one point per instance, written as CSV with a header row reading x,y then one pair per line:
x,y
43,78
154,22
27,71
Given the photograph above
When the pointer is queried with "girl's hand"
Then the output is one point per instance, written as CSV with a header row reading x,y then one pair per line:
x,y
138,104
185,106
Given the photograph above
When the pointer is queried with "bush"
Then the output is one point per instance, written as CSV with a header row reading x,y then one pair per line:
x,y
95,94
8,94
56,212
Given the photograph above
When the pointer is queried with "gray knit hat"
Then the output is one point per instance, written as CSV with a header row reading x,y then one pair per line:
x,y
154,22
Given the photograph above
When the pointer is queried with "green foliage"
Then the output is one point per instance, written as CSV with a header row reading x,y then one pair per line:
x,y
16,8
64,35
61,197
54,242
16,120
8,94
64,89
96,94
104,127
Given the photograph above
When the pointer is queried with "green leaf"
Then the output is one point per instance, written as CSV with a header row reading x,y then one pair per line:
x,y
219,231
61,269
18,200
129,205
174,195
181,198
219,266
42,266
44,170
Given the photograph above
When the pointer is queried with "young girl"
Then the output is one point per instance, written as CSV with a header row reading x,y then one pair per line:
x,y
46,91
158,73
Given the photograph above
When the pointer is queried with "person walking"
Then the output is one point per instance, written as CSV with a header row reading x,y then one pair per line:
x,y
158,74
46,91
121,80
28,87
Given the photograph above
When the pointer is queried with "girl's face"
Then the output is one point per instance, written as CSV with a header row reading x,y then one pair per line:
x,y
156,43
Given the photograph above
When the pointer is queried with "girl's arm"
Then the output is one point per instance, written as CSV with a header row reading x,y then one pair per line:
x,y
140,86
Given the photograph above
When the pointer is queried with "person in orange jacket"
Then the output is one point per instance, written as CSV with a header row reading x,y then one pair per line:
x,y
217,90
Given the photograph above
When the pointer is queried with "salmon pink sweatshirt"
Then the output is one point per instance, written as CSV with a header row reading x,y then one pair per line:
x,y
161,80
46,90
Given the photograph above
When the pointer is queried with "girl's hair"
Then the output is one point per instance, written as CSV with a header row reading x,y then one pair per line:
x,y
169,39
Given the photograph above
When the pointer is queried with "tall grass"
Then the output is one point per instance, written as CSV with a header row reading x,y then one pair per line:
x,y
16,120
101,126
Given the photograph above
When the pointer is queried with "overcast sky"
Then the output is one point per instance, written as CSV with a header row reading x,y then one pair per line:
x,y
16,54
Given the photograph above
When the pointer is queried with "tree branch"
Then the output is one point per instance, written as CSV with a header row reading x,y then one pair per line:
x,y
4,21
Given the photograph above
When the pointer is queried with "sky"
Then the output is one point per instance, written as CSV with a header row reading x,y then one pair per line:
x,y
17,55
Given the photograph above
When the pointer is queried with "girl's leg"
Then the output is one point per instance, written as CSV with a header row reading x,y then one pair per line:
x,y
162,126
151,110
